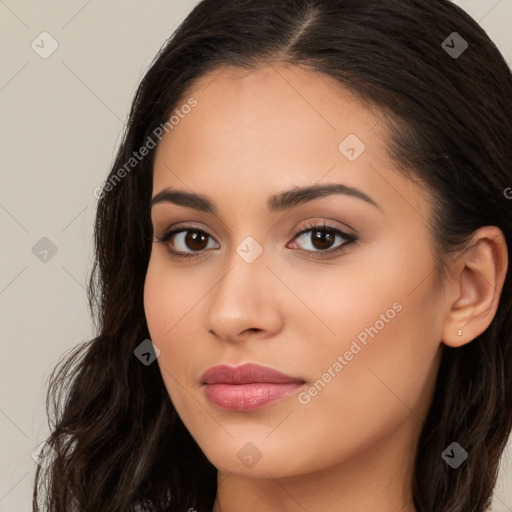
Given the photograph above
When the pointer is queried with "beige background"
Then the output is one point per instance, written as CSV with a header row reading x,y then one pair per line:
x,y
62,118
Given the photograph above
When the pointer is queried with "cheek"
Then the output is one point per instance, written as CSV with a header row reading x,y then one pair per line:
x,y
169,300
379,386
163,306
386,328
169,297
158,299
390,354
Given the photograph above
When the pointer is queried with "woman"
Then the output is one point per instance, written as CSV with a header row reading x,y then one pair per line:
x,y
301,279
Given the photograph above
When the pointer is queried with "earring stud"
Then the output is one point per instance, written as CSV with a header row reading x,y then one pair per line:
x,y
459,332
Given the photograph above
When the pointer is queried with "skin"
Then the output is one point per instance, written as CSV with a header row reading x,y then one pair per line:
x,y
351,447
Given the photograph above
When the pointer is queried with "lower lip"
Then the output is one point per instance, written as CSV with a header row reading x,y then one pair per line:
x,y
247,397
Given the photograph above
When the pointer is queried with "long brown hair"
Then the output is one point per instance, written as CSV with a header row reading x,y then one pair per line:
x,y
117,443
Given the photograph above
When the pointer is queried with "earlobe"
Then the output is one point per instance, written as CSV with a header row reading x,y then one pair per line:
x,y
478,277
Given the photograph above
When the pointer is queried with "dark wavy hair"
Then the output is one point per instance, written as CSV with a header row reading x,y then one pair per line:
x,y
117,443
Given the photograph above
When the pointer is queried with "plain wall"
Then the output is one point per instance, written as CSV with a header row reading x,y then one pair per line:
x,y
61,122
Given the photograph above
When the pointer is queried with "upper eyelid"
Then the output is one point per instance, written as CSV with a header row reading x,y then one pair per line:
x,y
185,227
310,224
346,228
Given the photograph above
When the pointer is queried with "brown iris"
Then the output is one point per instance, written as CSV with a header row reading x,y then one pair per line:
x,y
195,239
322,239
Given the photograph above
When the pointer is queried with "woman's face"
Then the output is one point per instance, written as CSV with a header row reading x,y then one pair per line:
x,y
355,325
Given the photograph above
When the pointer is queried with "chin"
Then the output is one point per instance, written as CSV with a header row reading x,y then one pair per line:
x,y
255,459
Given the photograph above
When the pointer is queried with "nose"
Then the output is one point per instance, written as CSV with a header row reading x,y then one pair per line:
x,y
245,301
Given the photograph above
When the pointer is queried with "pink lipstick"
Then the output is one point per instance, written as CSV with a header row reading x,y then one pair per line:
x,y
247,387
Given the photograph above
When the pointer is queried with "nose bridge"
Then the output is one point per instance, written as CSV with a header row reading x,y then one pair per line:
x,y
242,299
245,273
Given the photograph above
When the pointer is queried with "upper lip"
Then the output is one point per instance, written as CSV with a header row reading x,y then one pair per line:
x,y
245,374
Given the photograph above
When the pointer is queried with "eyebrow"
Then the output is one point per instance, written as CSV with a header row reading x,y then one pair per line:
x,y
276,203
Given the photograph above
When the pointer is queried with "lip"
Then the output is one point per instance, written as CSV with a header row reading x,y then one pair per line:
x,y
247,387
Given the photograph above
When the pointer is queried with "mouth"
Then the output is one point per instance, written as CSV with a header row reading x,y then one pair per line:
x,y
247,387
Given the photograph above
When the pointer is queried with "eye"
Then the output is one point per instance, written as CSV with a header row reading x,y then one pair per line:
x,y
185,237
191,241
319,239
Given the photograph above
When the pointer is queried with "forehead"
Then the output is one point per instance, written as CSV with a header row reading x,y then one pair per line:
x,y
273,128
269,101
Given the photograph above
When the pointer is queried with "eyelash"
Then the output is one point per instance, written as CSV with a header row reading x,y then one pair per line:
x,y
350,239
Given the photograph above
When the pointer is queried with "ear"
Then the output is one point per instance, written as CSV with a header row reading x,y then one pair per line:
x,y
476,281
